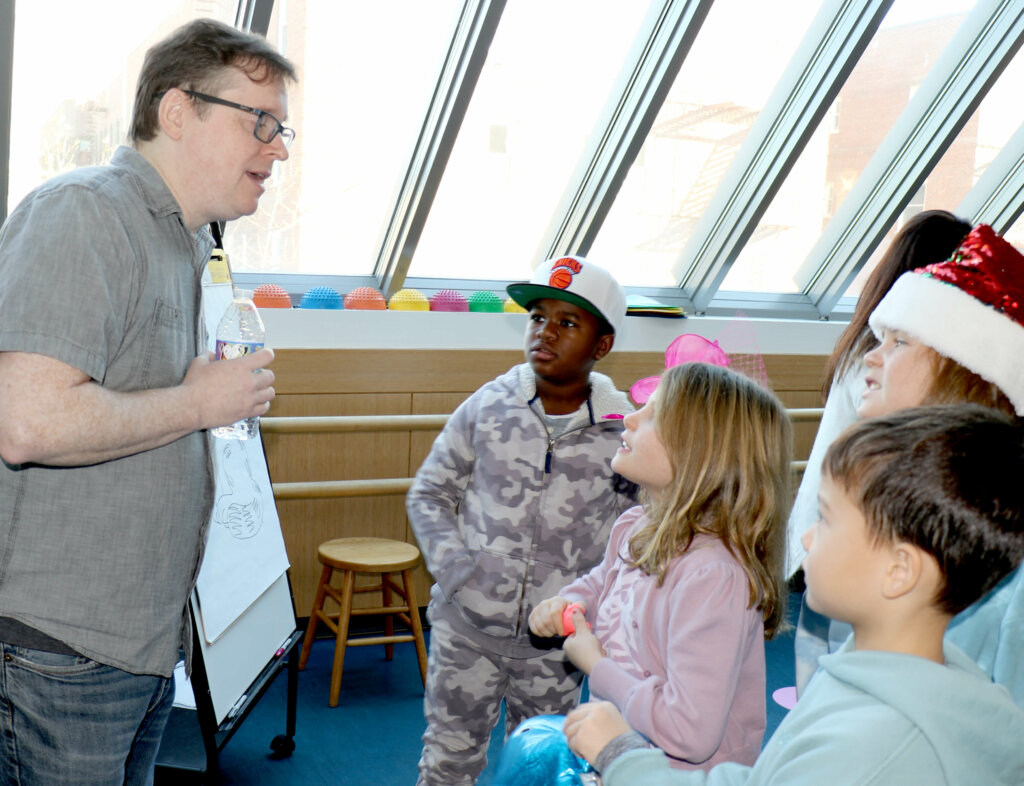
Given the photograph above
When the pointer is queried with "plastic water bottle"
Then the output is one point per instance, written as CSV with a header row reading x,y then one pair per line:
x,y
240,332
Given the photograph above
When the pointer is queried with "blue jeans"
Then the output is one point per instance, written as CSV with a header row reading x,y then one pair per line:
x,y
66,720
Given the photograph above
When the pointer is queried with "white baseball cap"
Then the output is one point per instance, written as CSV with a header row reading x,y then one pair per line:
x,y
577,281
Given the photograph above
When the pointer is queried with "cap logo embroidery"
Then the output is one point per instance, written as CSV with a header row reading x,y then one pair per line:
x,y
562,272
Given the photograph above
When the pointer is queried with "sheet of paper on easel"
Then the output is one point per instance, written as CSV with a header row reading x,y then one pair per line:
x,y
245,551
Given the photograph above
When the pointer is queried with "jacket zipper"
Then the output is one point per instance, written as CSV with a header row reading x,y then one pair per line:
x,y
526,576
547,471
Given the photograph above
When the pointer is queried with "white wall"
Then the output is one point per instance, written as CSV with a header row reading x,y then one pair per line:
x,y
320,329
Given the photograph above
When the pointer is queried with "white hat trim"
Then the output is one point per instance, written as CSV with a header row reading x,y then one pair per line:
x,y
959,326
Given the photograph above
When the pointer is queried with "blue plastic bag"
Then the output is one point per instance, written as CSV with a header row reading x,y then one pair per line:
x,y
537,754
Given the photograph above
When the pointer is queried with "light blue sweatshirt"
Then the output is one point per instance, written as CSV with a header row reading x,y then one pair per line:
x,y
991,632
873,718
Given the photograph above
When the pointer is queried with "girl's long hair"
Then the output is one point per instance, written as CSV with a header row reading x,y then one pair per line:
x,y
930,236
730,443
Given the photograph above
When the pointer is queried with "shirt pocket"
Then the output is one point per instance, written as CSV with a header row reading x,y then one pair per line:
x,y
168,347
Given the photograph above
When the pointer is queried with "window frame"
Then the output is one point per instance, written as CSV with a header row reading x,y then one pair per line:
x,y
655,60
834,42
996,198
977,54
467,52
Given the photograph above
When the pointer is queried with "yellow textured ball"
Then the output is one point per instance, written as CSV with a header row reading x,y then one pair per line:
x,y
409,300
511,307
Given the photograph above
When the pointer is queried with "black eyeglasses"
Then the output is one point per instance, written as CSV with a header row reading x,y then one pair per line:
x,y
267,126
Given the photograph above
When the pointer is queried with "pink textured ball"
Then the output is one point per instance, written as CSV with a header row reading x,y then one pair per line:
x,y
449,300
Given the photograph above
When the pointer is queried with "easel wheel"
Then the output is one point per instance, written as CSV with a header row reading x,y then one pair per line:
x,y
282,746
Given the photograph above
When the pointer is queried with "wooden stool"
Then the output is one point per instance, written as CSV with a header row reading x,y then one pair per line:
x,y
366,555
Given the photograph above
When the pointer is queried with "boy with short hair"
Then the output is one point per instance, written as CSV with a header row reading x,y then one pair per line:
x,y
516,500
922,512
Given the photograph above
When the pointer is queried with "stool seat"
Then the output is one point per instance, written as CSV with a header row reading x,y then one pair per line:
x,y
351,556
368,555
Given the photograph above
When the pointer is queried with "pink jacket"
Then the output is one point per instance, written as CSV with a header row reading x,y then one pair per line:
x,y
694,683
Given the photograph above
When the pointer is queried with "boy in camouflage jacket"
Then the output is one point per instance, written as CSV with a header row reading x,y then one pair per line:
x,y
516,500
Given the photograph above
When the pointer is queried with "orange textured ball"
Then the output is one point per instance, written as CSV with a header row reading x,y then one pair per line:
x,y
365,298
271,296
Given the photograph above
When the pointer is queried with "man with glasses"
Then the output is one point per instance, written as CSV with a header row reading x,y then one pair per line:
x,y
267,126
106,394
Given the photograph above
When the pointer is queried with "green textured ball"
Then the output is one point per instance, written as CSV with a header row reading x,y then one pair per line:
x,y
484,301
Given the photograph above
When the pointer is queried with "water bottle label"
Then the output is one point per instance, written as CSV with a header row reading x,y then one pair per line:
x,y
227,350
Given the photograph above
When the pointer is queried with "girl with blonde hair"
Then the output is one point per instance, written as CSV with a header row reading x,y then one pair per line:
x,y
693,579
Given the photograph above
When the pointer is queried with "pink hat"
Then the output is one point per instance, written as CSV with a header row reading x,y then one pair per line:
x,y
693,348
969,308
687,348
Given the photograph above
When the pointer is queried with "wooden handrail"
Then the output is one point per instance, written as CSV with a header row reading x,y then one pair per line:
x,y
347,424
378,487
330,489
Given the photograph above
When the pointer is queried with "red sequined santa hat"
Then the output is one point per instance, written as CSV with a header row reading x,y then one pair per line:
x,y
969,308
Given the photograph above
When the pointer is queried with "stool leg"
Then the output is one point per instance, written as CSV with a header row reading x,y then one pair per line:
x,y
417,626
318,603
344,613
389,619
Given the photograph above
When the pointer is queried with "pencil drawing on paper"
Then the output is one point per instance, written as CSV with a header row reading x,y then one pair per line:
x,y
239,508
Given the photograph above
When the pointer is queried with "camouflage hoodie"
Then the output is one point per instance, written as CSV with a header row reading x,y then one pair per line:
x,y
505,516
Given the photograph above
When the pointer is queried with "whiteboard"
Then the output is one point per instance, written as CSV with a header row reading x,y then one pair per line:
x,y
238,656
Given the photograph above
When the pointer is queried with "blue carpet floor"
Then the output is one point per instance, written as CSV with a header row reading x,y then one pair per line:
x,y
373,737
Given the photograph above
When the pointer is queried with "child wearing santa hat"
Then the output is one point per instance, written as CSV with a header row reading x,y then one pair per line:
x,y
962,321
953,332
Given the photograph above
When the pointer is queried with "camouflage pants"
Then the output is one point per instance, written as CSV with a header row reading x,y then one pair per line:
x,y
465,687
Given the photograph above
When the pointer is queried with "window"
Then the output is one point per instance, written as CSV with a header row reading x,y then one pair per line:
x,y
986,132
71,106
713,102
366,72
874,95
537,152
547,84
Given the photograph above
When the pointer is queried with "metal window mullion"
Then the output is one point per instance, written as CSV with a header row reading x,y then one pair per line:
x,y
253,16
948,96
6,87
463,63
623,127
834,42
997,199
